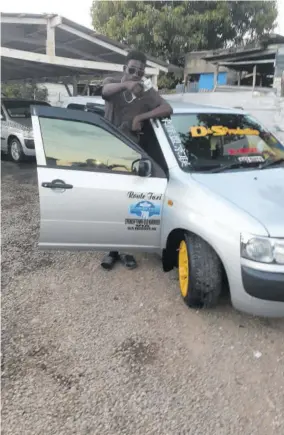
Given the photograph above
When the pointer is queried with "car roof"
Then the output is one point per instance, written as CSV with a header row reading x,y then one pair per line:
x,y
83,100
178,105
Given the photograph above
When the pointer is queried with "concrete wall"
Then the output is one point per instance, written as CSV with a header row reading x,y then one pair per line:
x,y
195,64
56,93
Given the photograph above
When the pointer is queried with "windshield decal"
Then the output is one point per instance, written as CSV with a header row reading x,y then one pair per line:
x,y
238,151
176,142
251,159
219,130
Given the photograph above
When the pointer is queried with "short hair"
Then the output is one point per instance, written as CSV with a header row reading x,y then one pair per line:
x,y
136,55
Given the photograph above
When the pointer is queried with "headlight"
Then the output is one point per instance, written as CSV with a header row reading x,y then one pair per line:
x,y
28,133
262,249
28,136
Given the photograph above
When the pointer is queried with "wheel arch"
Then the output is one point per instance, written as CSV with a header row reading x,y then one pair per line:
x,y
170,253
12,136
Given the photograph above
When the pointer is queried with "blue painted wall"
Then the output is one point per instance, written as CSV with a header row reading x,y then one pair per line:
x,y
206,81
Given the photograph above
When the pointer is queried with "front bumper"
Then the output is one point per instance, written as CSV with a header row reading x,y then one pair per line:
x,y
28,146
254,287
265,285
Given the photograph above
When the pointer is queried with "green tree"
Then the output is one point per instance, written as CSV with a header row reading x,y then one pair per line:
x,y
169,29
24,90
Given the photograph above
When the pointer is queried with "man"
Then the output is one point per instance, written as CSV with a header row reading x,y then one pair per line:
x,y
127,106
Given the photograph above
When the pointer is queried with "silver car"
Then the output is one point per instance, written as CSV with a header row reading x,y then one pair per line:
x,y
16,128
204,189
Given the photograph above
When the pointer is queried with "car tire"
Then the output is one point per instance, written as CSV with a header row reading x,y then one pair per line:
x,y
15,150
200,272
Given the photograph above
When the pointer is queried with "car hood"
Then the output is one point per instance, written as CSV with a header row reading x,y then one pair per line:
x,y
22,124
259,193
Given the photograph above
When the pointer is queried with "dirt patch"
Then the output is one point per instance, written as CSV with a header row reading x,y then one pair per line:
x,y
137,352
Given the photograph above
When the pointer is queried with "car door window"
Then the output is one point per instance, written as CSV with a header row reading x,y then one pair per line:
x,y
81,146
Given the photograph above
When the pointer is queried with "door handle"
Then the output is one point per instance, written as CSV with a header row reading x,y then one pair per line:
x,y
56,184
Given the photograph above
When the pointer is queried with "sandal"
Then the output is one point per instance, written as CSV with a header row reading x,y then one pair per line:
x,y
109,260
128,261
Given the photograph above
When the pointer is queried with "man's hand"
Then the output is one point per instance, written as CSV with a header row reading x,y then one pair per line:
x,y
135,87
111,89
137,124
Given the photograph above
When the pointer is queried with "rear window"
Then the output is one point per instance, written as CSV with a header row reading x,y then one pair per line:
x,y
220,138
89,107
76,106
22,109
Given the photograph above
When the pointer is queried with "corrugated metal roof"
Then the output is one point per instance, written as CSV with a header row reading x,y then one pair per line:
x,y
31,37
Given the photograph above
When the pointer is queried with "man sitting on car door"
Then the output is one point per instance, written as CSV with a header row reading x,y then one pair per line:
x,y
128,104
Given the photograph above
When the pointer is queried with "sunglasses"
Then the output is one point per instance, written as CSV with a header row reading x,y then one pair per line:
x,y
132,70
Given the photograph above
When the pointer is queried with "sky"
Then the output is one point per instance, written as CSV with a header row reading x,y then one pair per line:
x,y
75,11
80,11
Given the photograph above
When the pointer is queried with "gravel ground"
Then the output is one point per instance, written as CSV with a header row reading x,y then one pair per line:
x,y
92,352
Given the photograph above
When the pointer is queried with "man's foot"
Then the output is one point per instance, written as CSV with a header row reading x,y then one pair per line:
x,y
128,261
109,260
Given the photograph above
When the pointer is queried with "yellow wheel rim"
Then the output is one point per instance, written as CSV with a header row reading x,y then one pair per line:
x,y
183,268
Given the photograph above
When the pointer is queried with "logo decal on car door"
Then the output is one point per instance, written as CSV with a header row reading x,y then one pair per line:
x,y
150,196
143,211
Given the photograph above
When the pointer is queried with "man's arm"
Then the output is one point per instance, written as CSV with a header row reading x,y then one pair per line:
x,y
161,109
111,87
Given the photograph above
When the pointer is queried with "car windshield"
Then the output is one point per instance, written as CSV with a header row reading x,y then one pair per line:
x,y
210,141
21,109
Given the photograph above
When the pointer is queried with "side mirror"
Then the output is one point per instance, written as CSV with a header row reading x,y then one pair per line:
x,y
142,167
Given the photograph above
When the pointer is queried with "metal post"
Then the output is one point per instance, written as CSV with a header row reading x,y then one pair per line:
x,y
254,77
75,87
216,73
155,81
86,88
50,38
239,78
67,89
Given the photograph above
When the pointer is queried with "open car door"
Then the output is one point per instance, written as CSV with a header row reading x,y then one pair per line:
x,y
91,193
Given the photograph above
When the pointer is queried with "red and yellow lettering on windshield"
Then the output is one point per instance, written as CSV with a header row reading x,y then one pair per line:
x,y
219,130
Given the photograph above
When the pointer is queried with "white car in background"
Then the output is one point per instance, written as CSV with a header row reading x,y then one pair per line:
x,y
85,103
17,139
